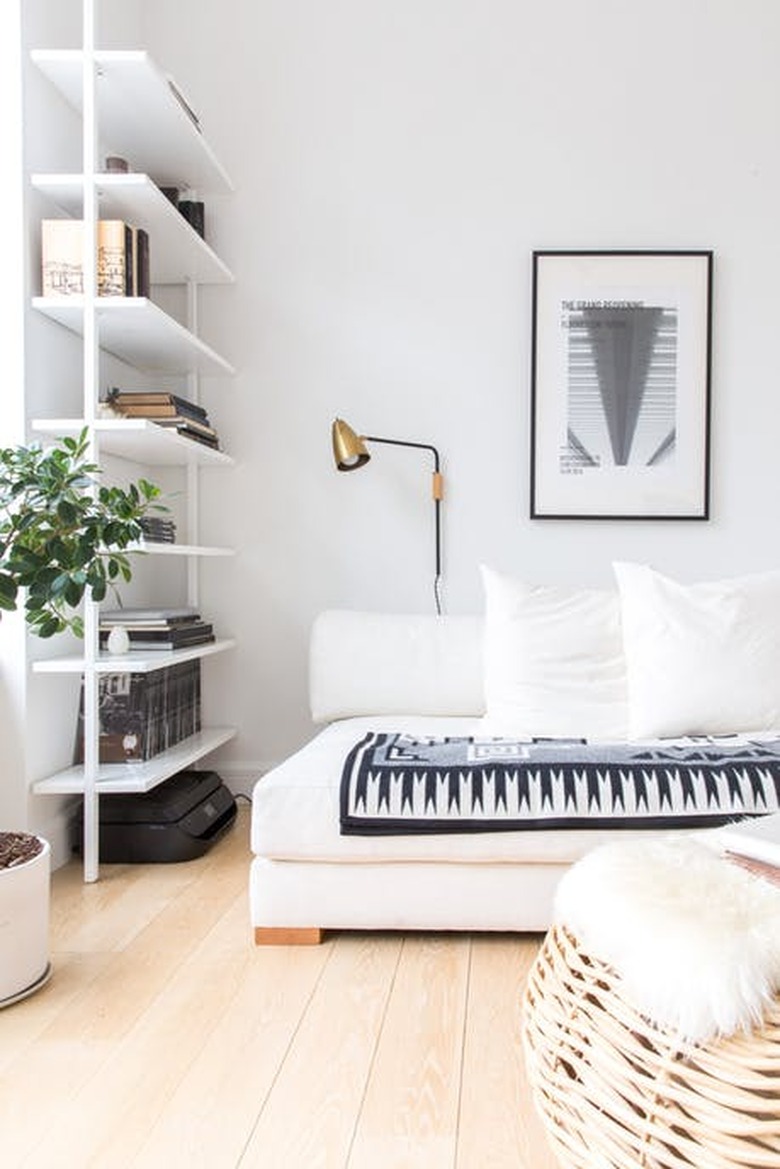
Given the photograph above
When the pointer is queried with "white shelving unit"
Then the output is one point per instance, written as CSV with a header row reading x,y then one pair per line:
x,y
140,441
137,114
130,663
130,107
137,331
139,777
179,252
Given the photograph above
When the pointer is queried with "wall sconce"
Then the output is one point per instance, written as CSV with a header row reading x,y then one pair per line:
x,y
349,451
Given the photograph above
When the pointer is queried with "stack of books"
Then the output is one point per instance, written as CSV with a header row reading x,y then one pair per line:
x,y
158,530
166,409
123,258
157,629
141,715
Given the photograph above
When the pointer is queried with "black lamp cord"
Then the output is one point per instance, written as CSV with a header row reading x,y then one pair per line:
x,y
424,446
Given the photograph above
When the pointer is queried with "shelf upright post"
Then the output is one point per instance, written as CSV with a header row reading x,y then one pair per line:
x,y
193,480
91,371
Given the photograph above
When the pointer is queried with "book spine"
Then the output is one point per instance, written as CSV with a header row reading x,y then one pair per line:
x,y
156,713
205,435
190,408
194,424
141,715
197,684
161,614
152,410
142,268
172,633
122,258
121,717
145,404
153,645
131,237
112,257
177,721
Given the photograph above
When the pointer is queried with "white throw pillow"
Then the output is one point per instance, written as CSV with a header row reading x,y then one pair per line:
x,y
554,661
702,658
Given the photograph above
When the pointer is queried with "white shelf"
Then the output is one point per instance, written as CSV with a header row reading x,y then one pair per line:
x,y
139,118
132,663
150,548
138,777
140,441
176,251
137,331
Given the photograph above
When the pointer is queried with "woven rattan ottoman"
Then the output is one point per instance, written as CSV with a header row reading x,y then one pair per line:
x,y
616,1090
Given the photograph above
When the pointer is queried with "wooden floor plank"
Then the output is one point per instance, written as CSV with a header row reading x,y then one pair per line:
x,y
105,914
497,1127
308,1119
167,1038
107,1120
410,1112
79,1040
211,1115
25,1024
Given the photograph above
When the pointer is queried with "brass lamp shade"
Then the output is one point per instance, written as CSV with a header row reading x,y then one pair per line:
x,y
349,450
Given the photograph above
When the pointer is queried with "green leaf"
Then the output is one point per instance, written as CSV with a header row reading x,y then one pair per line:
x,y
73,593
56,524
8,591
49,626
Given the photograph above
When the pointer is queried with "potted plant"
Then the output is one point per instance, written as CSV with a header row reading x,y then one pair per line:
x,y
61,533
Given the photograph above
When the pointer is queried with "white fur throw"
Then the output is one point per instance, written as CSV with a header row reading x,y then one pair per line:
x,y
694,938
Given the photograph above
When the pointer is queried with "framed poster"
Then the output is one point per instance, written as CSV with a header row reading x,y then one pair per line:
x,y
620,385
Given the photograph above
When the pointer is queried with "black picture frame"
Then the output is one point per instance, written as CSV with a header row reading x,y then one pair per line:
x,y
621,358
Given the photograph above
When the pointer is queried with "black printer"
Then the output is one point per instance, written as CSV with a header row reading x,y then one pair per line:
x,y
178,820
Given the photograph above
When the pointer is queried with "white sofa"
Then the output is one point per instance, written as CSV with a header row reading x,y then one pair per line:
x,y
422,675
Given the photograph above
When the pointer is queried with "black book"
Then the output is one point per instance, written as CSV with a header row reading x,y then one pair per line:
x,y
142,278
158,531
130,275
170,646
181,634
196,435
190,409
174,637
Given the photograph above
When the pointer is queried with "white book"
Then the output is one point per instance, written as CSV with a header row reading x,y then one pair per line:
x,y
757,838
128,616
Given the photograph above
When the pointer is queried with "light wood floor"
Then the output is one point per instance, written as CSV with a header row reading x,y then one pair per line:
x,y
166,1039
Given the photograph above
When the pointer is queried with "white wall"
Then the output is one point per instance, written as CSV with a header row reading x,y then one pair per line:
x,y
395,165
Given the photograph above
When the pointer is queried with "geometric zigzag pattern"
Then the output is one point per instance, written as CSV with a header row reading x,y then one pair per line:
x,y
394,784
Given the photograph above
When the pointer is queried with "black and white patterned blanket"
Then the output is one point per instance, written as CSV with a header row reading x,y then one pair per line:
x,y
394,784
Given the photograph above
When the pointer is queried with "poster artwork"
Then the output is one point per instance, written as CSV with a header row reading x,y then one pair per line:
x,y
621,384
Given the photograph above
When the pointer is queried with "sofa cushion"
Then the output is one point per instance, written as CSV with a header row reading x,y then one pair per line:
x,y
554,664
295,811
390,663
701,658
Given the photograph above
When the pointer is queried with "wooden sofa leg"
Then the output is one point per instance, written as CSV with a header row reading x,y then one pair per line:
x,y
269,935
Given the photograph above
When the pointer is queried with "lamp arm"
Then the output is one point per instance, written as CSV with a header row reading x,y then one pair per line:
x,y
438,493
420,446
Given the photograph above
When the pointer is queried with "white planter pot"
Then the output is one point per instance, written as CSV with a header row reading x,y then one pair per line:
x,y
24,927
